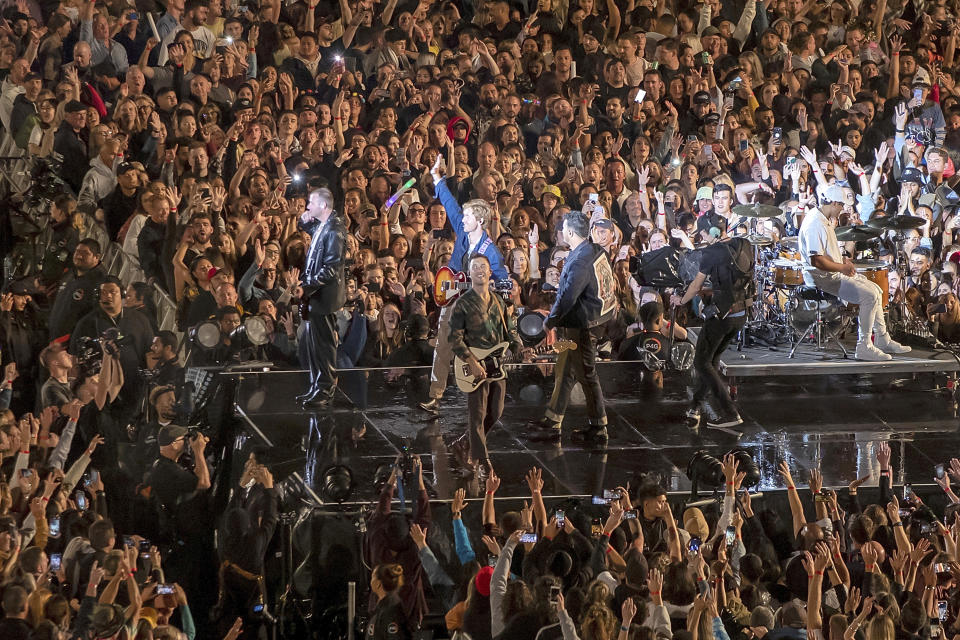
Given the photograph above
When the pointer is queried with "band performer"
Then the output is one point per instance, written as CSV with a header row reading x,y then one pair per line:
x,y
826,269
586,298
729,265
467,222
323,293
480,319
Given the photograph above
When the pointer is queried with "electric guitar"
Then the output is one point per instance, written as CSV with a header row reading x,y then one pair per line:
x,y
448,285
493,361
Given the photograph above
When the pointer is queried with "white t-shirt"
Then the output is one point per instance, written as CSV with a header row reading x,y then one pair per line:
x,y
817,238
203,40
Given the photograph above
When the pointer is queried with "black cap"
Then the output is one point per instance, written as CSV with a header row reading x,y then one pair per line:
x,y
75,106
242,103
170,433
701,97
711,118
124,167
911,174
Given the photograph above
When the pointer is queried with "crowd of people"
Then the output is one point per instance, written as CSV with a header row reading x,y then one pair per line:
x,y
850,568
189,137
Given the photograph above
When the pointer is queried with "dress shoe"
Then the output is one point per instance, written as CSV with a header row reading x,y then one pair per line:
x,y
545,434
318,401
888,345
543,424
431,406
868,353
591,432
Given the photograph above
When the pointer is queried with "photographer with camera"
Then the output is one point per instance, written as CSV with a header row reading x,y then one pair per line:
x,y
244,535
182,501
125,334
729,266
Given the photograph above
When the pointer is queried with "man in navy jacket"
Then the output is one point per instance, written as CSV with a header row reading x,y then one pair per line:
x,y
586,298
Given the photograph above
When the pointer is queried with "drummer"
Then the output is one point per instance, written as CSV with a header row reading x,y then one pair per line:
x,y
826,269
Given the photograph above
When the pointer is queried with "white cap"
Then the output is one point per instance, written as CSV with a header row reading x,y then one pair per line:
x,y
834,193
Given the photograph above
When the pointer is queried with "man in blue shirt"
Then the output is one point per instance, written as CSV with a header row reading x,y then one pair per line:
x,y
467,222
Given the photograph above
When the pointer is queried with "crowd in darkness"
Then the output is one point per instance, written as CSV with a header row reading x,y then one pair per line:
x,y
182,139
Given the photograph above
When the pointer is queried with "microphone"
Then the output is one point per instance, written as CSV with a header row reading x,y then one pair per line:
x,y
392,200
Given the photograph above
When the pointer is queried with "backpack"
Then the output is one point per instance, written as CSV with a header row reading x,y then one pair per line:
x,y
734,288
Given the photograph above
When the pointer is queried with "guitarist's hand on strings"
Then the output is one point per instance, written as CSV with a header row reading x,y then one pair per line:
x,y
476,370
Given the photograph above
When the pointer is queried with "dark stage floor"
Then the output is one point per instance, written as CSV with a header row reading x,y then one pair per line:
x,y
833,420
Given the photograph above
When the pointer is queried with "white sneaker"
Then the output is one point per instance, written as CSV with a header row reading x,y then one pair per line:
x,y
888,345
869,353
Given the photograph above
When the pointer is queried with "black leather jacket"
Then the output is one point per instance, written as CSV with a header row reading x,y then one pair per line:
x,y
323,275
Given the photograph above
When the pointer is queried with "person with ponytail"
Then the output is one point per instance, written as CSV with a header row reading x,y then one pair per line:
x,y
388,621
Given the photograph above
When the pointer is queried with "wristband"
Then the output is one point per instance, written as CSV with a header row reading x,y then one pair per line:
x,y
819,573
895,53
897,524
729,484
868,567
489,493
624,628
251,50
654,593
45,499
27,451
838,556
809,576
791,488
901,131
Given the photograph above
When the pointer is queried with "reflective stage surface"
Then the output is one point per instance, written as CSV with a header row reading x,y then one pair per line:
x,y
826,421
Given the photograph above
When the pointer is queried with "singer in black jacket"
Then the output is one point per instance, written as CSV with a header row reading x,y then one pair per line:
x,y
323,294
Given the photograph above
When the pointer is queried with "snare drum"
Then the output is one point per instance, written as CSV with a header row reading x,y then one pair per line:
x,y
876,272
787,273
790,254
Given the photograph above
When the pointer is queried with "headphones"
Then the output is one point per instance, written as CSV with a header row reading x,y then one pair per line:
x,y
110,280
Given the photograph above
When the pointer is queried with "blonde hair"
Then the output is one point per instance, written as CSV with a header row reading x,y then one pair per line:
x,y
480,210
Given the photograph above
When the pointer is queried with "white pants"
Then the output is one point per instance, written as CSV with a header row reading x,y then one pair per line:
x,y
857,290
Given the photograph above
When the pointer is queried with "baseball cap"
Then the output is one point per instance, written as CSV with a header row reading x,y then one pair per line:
x,y
701,97
603,223
921,78
704,193
241,104
482,581
911,174
124,167
553,190
75,106
835,193
711,118
170,433
710,31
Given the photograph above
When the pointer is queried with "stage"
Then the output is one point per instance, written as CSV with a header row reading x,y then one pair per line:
x,y
829,419
757,361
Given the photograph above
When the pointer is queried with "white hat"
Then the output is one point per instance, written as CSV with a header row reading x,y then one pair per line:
x,y
834,193
921,77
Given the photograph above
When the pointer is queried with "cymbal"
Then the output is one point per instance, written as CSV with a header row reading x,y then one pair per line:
x,y
789,242
757,210
897,223
856,233
758,240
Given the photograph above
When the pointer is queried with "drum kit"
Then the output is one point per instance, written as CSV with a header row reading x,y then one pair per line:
x,y
780,314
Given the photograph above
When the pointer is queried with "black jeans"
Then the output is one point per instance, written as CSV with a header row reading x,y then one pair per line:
x,y
484,408
578,365
714,337
319,349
